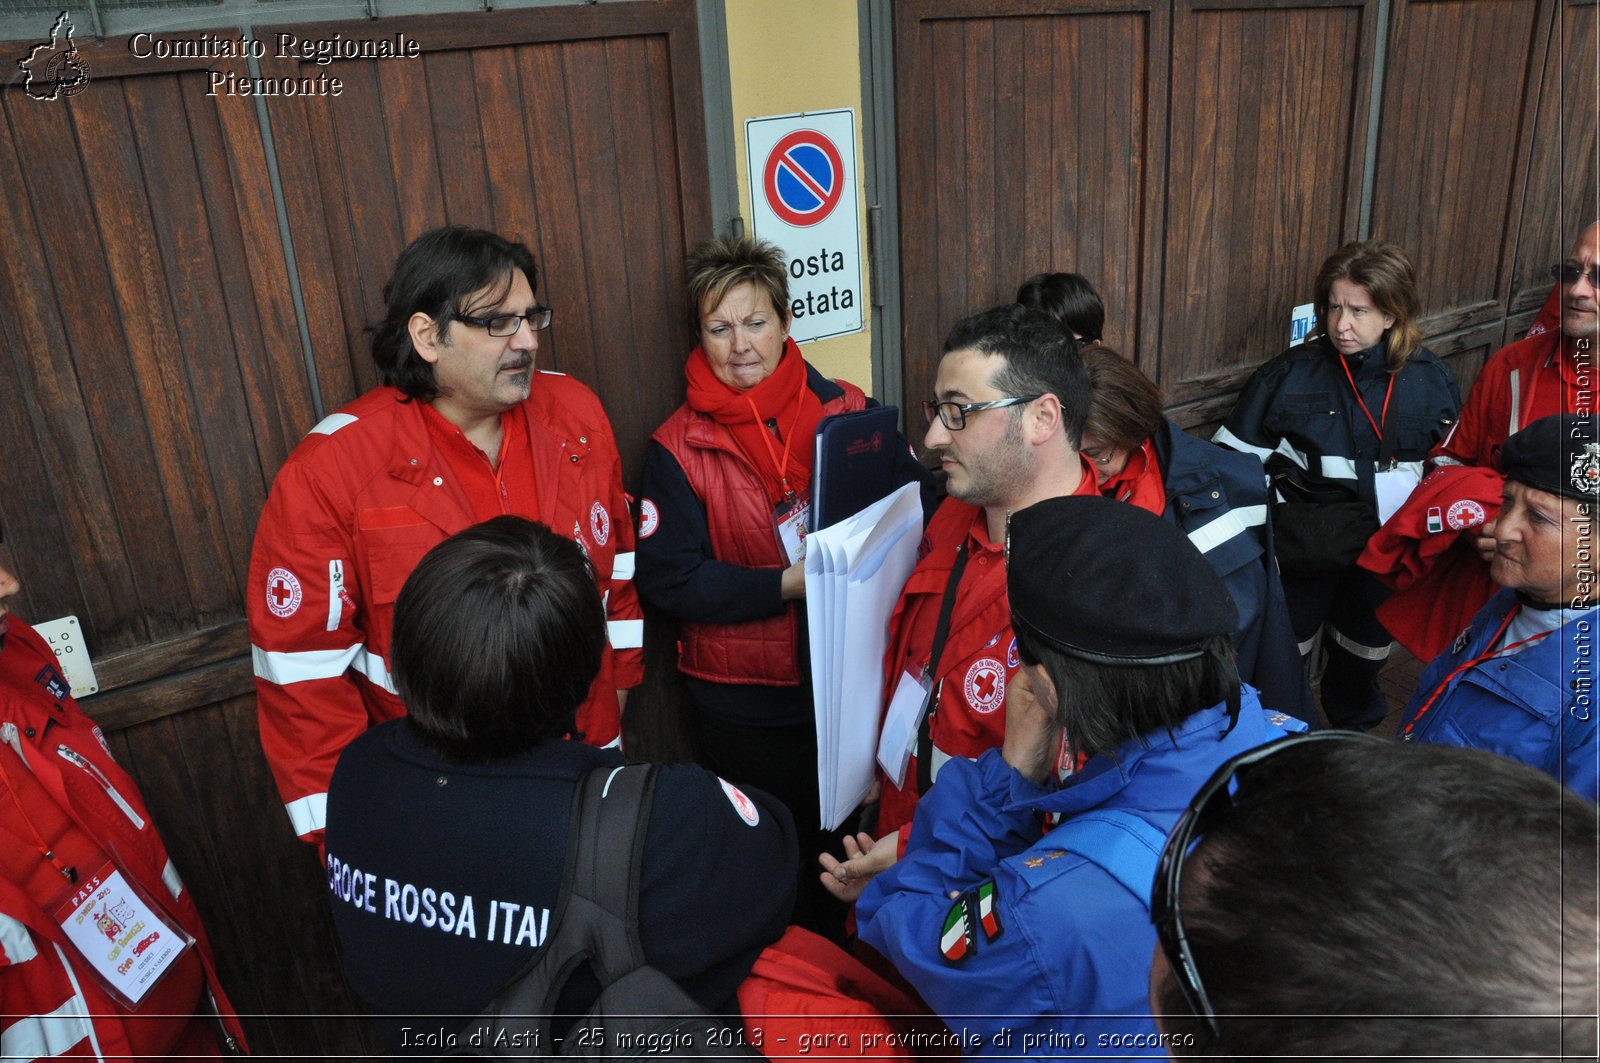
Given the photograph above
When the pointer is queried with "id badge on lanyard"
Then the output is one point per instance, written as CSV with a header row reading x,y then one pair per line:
x,y
121,934
898,740
793,518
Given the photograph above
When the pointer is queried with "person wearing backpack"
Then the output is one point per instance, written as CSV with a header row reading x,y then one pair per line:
x,y
1031,943
447,829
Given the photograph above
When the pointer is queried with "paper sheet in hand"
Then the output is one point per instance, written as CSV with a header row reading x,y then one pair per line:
x,y
855,571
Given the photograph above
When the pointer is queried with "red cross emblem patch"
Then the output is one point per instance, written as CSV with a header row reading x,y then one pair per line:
x,y
985,685
283,592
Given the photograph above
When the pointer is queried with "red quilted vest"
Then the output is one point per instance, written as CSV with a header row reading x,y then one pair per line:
x,y
739,518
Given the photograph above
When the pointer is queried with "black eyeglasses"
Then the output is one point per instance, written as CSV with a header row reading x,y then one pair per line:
x,y
508,324
1204,812
953,415
1567,273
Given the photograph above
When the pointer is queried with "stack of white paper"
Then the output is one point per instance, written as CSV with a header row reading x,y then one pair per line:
x,y
855,571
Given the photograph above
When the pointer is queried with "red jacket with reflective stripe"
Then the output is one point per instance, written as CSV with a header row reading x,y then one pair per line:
x,y
1524,381
739,518
50,1003
352,511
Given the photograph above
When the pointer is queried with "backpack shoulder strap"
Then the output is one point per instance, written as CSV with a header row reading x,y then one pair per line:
x,y
596,914
1119,843
604,852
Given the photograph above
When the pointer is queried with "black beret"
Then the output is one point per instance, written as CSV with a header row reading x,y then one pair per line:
x,y
1112,583
1559,454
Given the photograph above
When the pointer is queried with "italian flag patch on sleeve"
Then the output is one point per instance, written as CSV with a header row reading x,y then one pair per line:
x,y
988,918
958,938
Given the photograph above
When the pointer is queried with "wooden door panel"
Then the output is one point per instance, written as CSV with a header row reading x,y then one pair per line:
x,y
1456,127
1562,195
153,376
1268,126
576,128
1025,145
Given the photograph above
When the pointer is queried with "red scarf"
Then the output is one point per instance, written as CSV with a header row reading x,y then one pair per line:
x,y
774,423
1139,482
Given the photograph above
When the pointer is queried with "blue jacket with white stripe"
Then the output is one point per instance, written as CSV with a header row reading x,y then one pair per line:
x,y
1300,404
1219,500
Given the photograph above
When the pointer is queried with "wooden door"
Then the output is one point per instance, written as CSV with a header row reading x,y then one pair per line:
x,y
154,376
1198,159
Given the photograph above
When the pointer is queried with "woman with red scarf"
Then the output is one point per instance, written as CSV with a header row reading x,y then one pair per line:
x,y
721,526
1217,497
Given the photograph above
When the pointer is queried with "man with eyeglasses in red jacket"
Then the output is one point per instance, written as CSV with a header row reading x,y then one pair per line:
x,y
464,428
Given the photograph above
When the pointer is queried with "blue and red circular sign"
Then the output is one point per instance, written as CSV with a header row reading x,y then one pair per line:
x,y
804,178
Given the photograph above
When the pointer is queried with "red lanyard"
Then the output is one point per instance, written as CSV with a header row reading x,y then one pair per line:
x,y
1377,426
781,465
68,873
1484,656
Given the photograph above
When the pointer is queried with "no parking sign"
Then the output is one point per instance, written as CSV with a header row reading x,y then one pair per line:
x,y
803,198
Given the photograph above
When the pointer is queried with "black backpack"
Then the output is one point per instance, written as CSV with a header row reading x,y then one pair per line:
x,y
640,1012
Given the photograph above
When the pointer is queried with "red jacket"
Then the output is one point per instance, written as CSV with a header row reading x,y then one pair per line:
x,y
980,652
1425,551
60,772
760,652
352,511
1524,381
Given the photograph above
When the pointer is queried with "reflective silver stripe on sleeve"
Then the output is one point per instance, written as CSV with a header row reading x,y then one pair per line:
x,y
1232,523
331,424
1516,402
622,566
298,666
1371,653
1339,468
170,879
15,941
53,1033
1226,438
625,634
372,666
938,759
309,813
284,667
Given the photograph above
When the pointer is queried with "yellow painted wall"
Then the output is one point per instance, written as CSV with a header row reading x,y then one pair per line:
x,y
803,55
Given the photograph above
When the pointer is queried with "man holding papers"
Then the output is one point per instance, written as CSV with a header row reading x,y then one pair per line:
x,y
1011,398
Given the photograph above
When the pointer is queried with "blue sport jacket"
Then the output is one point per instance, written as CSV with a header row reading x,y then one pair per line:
x,y
1045,951
1536,706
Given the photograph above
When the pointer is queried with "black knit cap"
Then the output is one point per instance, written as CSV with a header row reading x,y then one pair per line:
x,y
1108,582
1559,454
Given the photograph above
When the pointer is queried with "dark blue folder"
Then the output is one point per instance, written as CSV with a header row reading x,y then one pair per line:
x,y
855,463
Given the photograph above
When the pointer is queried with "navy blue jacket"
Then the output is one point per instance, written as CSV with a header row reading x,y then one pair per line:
x,y
1536,706
1300,404
1218,498
416,842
